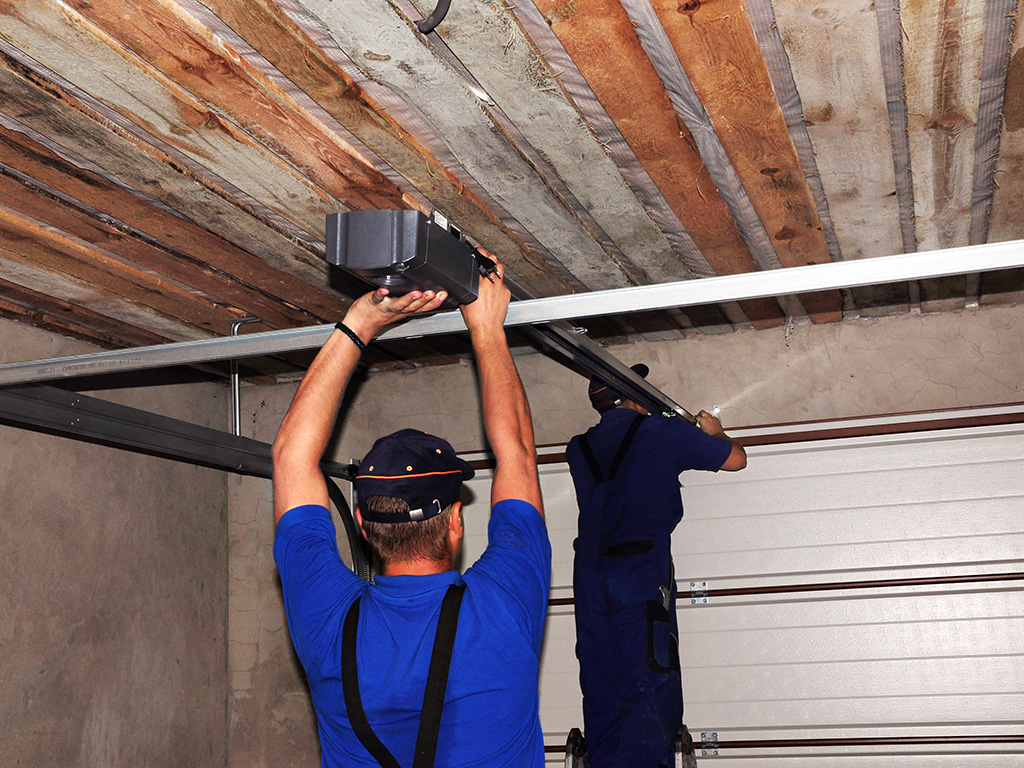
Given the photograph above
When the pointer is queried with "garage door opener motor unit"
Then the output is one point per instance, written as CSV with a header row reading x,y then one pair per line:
x,y
406,251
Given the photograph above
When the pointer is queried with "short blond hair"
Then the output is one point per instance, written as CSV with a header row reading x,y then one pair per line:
x,y
399,541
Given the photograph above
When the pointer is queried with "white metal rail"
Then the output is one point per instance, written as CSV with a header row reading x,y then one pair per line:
x,y
713,290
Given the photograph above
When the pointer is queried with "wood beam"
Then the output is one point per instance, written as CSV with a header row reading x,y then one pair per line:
x,y
50,313
182,50
716,45
835,53
29,241
1007,222
942,69
633,96
279,40
138,101
92,298
211,286
71,126
98,193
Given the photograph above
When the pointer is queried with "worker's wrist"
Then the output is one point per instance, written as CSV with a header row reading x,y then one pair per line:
x,y
352,335
363,331
488,335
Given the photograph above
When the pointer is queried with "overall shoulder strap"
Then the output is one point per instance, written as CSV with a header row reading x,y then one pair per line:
x,y
350,687
433,697
437,677
620,454
588,454
634,427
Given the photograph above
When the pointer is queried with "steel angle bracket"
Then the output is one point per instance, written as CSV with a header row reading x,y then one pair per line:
x,y
592,356
53,410
577,346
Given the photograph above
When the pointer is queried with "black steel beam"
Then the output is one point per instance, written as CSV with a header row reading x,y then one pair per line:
x,y
56,411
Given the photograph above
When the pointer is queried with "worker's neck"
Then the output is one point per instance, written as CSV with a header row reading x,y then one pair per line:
x,y
629,405
416,568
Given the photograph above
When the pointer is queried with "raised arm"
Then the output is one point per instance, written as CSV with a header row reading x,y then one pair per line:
x,y
506,411
302,438
737,458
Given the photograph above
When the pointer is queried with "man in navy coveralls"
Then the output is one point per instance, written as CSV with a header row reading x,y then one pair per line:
x,y
626,473
408,488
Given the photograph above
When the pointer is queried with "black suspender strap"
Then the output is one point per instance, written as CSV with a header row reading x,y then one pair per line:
x,y
588,454
620,455
634,427
433,697
437,678
350,687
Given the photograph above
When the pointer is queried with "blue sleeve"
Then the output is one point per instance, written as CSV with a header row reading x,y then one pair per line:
x,y
317,584
517,563
693,448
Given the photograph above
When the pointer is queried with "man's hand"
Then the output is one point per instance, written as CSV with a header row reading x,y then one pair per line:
x,y
487,312
375,310
710,424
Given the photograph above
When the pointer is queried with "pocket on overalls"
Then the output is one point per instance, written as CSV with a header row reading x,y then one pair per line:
x,y
662,645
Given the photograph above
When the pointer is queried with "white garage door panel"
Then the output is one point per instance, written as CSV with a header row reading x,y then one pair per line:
x,y
817,490
561,700
943,660
902,686
863,758
910,558
973,529
831,718
916,637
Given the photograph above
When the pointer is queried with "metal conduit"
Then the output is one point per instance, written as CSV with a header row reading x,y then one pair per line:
x,y
843,585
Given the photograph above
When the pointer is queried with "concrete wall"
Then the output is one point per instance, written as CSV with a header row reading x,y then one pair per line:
x,y
854,368
113,611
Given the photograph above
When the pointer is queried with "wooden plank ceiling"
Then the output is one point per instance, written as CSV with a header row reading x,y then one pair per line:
x,y
166,165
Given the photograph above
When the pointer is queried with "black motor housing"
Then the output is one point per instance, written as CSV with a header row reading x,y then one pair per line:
x,y
404,251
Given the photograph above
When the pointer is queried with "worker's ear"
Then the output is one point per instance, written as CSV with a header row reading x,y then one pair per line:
x,y
455,525
359,522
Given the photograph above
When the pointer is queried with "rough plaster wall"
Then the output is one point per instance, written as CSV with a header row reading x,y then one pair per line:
x,y
854,368
112,616
270,716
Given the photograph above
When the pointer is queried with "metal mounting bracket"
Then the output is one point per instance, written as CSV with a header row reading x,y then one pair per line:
x,y
709,743
698,593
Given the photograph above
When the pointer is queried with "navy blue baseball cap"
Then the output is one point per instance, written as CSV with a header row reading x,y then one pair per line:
x,y
420,469
603,396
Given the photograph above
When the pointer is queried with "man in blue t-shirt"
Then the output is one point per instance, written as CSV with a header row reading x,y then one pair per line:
x,y
626,474
379,668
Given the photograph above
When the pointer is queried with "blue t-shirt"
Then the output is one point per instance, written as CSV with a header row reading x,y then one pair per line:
x,y
643,501
490,715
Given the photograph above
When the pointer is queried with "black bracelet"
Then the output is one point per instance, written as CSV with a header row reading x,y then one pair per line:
x,y
352,335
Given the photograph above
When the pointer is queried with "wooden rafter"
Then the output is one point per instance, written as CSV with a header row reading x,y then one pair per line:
x,y
300,303
279,40
716,45
635,99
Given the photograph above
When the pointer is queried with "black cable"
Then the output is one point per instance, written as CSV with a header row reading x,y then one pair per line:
x,y
427,25
357,545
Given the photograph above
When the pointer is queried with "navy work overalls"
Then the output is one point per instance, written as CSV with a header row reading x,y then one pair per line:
x,y
623,581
